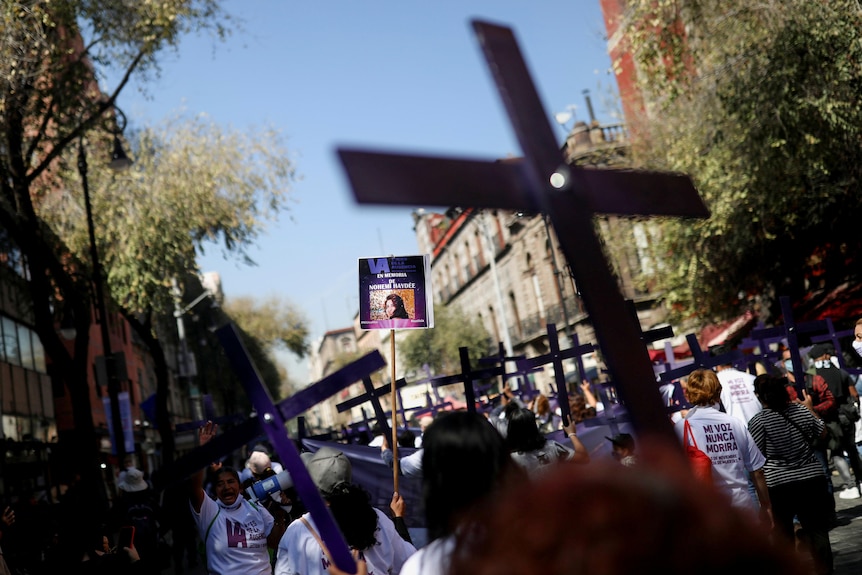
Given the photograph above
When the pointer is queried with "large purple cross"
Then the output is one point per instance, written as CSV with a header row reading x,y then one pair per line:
x,y
543,182
273,422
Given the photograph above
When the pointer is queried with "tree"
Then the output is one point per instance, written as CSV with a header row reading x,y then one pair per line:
x,y
154,218
438,347
272,324
760,103
48,99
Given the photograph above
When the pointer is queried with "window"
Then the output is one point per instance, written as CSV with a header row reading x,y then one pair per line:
x,y
10,342
26,347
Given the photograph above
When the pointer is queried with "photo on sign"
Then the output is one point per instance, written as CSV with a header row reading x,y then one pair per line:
x,y
394,292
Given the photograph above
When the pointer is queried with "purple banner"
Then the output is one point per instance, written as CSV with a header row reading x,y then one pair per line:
x,y
395,292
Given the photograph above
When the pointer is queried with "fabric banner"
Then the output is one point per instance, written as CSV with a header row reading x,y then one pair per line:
x,y
125,419
375,476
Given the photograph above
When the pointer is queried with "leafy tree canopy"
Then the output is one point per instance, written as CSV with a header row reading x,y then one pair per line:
x,y
760,103
273,321
438,347
191,183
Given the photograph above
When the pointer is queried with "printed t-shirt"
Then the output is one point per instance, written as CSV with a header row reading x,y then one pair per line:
x,y
730,447
300,553
433,559
535,461
236,542
737,394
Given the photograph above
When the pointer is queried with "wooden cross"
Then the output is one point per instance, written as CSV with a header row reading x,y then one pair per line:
x,y
834,337
762,344
467,376
506,375
373,395
556,357
271,419
702,360
649,335
791,331
543,182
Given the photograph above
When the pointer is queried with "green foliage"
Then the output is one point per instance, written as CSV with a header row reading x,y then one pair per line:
x,y
438,347
272,321
760,103
191,182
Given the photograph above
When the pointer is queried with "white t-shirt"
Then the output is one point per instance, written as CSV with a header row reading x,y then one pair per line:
x,y
737,394
730,447
300,553
433,559
236,542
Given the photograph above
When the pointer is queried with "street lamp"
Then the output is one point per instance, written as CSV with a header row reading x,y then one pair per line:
x,y
119,161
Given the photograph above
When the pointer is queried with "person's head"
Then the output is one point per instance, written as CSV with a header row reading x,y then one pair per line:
x,y
227,485
820,352
857,336
259,464
543,406
702,387
424,422
464,461
522,433
394,307
329,469
406,438
771,390
625,519
133,481
623,445
351,508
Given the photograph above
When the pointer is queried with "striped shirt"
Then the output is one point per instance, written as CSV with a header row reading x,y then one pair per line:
x,y
789,455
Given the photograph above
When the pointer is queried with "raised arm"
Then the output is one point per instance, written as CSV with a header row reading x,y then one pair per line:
x,y
196,488
581,453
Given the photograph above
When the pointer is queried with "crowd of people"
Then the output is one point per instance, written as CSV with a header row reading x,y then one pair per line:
x,y
499,496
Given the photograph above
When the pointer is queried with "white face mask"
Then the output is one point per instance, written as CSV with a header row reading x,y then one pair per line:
x,y
857,345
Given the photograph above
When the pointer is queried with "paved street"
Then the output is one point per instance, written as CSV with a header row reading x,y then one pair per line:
x,y
847,537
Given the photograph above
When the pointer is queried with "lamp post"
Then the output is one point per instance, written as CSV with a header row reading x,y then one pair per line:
x,y
119,161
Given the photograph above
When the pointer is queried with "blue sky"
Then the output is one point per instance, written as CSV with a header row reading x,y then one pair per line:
x,y
401,76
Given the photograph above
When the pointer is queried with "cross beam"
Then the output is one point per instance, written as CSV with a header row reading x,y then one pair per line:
x,y
556,357
702,360
791,330
542,182
467,376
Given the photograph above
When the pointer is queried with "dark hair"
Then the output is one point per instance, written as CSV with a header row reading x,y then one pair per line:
x,y
522,433
406,438
226,469
400,311
351,507
624,521
464,460
772,391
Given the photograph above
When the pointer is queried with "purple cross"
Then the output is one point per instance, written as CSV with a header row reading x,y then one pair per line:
x,y
543,182
790,331
467,376
556,357
702,360
373,395
273,421
834,337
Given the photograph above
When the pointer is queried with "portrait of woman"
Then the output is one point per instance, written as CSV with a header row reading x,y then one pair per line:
x,y
394,307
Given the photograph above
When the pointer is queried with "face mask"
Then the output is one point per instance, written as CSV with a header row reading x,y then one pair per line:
x,y
788,365
857,345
